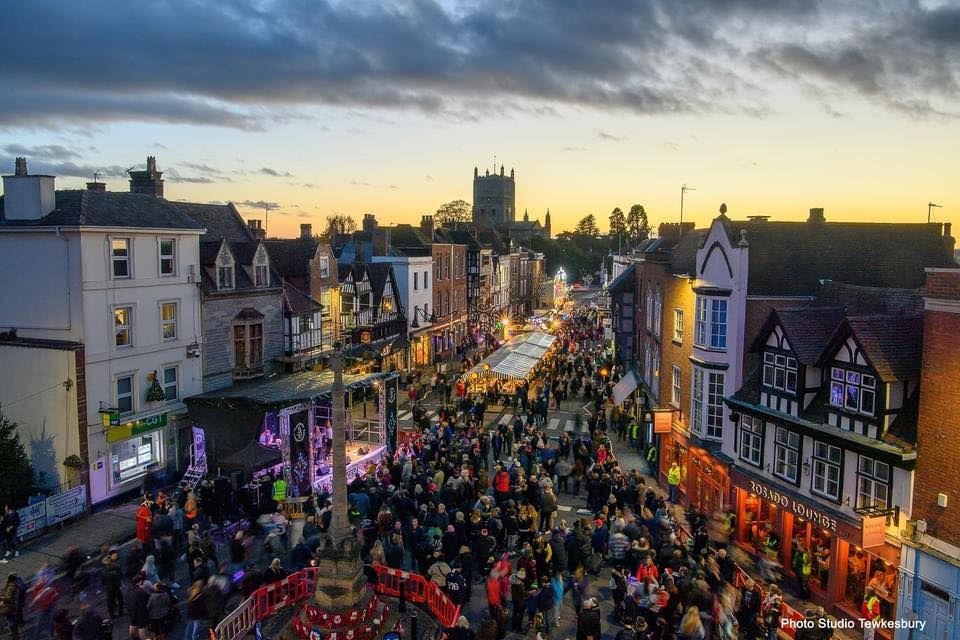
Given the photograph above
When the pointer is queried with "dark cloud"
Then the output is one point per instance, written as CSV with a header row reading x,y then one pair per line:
x,y
43,151
257,204
273,173
611,137
64,62
66,169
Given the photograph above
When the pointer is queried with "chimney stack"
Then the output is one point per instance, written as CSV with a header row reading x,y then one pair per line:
x,y
380,243
96,185
149,182
426,226
256,228
948,242
816,215
25,196
306,231
369,222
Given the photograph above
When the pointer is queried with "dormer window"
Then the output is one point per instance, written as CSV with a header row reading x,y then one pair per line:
x,y
261,268
852,390
225,271
780,372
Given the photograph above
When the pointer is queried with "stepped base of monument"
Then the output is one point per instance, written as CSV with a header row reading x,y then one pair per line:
x,y
363,621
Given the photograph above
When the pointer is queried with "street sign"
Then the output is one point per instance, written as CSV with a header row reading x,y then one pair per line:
x,y
32,519
63,506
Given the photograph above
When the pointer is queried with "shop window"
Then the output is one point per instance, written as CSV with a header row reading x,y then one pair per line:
x,y
124,388
868,571
758,516
826,470
168,256
852,390
751,440
780,372
171,388
787,453
133,458
873,483
120,257
123,326
168,320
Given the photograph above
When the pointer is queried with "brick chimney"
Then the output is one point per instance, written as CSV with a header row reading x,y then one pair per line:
x,y
96,186
816,215
20,166
306,231
948,240
426,227
149,182
256,228
369,222
381,241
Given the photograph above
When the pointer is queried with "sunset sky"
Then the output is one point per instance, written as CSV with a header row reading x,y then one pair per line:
x,y
772,106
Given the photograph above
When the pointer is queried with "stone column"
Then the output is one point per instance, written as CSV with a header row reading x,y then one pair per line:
x,y
340,522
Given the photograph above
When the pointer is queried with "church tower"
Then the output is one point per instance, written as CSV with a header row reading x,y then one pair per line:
x,y
494,198
546,225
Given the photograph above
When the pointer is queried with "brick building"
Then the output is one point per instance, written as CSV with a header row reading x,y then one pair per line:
x,y
929,565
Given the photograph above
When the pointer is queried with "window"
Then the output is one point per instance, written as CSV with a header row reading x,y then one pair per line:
x,y
700,323
120,254
715,380
133,458
426,279
122,327
675,388
718,324
168,256
168,320
248,345
780,371
225,277
873,483
416,280
657,313
655,367
324,267
751,439
826,470
647,369
678,325
852,390
448,267
171,392
696,415
439,268
125,395
787,453
261,275
649,310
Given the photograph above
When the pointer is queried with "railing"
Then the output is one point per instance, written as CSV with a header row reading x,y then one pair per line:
x,y
272,598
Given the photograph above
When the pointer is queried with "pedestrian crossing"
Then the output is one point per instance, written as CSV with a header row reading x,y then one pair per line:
x,y
407,416
568,425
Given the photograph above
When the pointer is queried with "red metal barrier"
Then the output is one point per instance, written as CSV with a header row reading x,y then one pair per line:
x,y
417,589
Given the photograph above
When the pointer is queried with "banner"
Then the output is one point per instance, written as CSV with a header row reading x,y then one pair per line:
x,y
299,453
391,412
33,519
64,506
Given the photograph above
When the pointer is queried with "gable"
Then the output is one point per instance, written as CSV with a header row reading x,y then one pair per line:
x,y
225,257
777,339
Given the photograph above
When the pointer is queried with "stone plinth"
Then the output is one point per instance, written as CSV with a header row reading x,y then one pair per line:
x,y
341,583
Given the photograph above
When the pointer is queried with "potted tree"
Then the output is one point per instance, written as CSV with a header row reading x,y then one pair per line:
x,y
74,465
155,394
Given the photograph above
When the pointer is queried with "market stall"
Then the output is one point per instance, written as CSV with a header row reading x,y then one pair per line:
x,y
512,362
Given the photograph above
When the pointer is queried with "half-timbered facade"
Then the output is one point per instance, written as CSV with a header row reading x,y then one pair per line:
x,y
826,432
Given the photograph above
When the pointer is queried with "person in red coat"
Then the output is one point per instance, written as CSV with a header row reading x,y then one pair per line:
x,y
144,520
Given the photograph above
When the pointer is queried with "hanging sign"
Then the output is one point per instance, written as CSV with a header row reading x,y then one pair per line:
x,y
662,421
874,531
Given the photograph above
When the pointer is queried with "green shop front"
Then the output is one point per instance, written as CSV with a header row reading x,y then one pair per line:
x,y
133,449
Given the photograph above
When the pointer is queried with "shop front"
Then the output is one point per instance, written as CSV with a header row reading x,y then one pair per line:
x,y
704,479
135,449
777,523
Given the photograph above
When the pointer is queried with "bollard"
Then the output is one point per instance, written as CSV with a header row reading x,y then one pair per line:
x,y
402,607
413,626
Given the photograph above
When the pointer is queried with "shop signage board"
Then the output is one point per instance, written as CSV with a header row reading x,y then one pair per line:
x,y
819,516
136,427
874,531
66,505
662,421
33,519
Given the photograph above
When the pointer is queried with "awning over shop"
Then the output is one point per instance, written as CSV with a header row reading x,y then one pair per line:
x,y
626,386
516,359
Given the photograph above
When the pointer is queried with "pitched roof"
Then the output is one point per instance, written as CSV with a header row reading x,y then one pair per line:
x,y
296,302
893,344
109,209
379,273
861,301
683,257
790,258
808,330
209,250
291,257
625,280
220,221
456,236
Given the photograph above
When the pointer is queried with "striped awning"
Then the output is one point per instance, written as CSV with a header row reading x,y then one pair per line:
x,y
516,359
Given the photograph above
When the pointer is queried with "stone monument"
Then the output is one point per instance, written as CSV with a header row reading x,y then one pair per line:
x,y
342,602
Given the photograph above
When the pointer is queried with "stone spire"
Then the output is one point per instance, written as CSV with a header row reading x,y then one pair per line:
x,y
340,521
